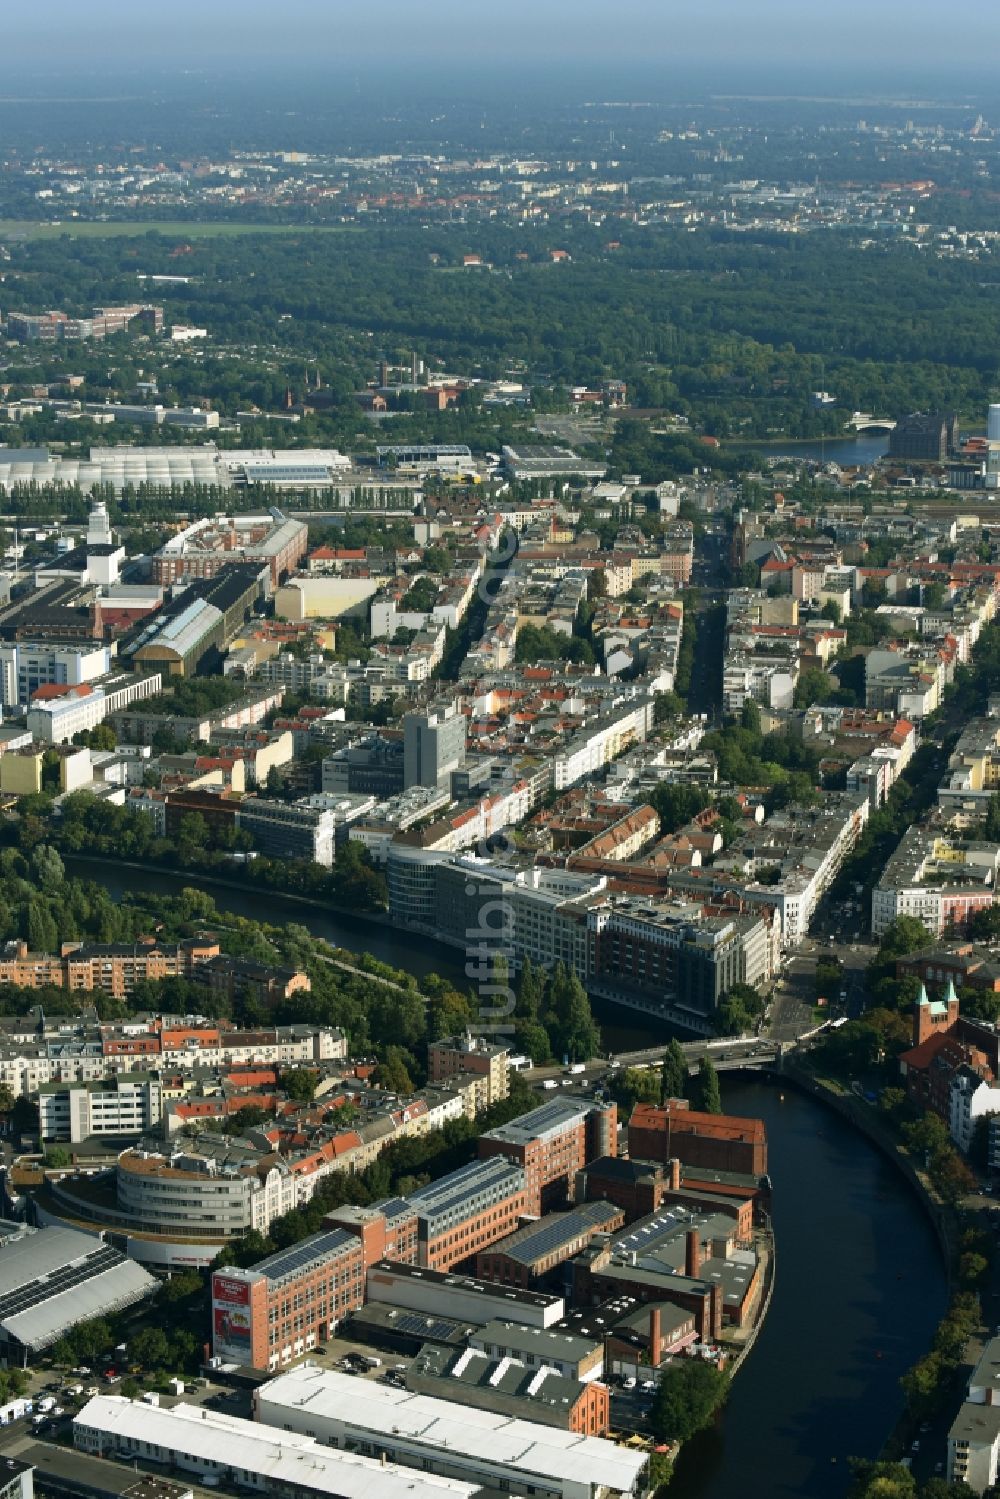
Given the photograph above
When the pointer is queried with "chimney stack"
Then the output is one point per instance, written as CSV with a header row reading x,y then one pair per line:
x,y
675,1173
692,1260
654,1336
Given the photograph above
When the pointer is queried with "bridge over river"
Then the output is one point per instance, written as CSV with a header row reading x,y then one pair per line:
x,y
727,1056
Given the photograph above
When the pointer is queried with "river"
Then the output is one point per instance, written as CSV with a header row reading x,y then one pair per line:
x,y
859,1287
362,933
859,1290
847,451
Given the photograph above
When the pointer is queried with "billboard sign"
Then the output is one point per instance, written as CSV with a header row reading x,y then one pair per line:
x,y
231,1333
232,1292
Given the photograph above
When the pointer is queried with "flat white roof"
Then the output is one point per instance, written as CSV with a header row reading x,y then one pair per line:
x,y
196,1435
460,1431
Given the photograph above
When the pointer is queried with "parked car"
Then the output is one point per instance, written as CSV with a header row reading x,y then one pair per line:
x,y
628,1383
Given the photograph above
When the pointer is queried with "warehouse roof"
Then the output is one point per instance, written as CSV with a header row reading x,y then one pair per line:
x,y
286,1460
543,1342
541,1123
54,1279
483,1437
557,1232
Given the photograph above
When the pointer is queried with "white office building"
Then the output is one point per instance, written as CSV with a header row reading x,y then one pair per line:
x,y
127,1104
463,1442
245,1456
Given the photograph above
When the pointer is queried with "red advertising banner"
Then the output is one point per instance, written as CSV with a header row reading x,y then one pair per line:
x,y
234,1292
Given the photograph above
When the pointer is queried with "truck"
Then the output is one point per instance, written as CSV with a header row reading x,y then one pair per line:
x,y
576,1069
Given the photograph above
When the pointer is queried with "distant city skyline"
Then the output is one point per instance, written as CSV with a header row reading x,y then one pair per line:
x,y
891,36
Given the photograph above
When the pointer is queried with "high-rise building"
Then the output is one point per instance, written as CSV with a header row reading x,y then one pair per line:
x,y
433,746
924,437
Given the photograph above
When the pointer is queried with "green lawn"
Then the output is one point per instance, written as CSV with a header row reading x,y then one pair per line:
x,y
129,228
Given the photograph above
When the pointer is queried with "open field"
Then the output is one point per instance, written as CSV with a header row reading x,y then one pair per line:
x,y
129,228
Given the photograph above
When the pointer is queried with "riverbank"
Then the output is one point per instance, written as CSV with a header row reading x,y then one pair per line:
x,y
245,887
369,933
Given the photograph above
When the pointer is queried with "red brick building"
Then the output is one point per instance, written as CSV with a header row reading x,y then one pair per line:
x,y
943,1043
267,1316
641,1188
720,1142
552,1144
526,1257
292,1302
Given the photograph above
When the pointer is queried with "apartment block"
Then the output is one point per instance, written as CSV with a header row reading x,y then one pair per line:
x,y
940,880
294,830
127,1104
468,1054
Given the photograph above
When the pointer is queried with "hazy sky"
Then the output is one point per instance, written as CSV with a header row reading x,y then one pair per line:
x,y
869,35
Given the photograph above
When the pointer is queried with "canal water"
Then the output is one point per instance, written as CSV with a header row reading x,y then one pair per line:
x,y
420,955
847,451
859,1289
859,1285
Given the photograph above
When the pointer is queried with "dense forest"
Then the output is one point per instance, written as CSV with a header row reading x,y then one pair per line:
x,y
735,332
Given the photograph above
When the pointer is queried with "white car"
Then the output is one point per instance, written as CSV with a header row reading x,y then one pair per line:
x,y
629,1383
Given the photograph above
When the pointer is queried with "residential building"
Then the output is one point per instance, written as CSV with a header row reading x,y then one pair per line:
x,y
974,1435
209,544
468,1054
938,879
293,830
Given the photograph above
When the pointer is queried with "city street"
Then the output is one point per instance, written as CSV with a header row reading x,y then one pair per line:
x,y
792,1009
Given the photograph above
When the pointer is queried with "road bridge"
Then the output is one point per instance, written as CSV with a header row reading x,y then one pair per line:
x,y
758,1055
863,421
725,1055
